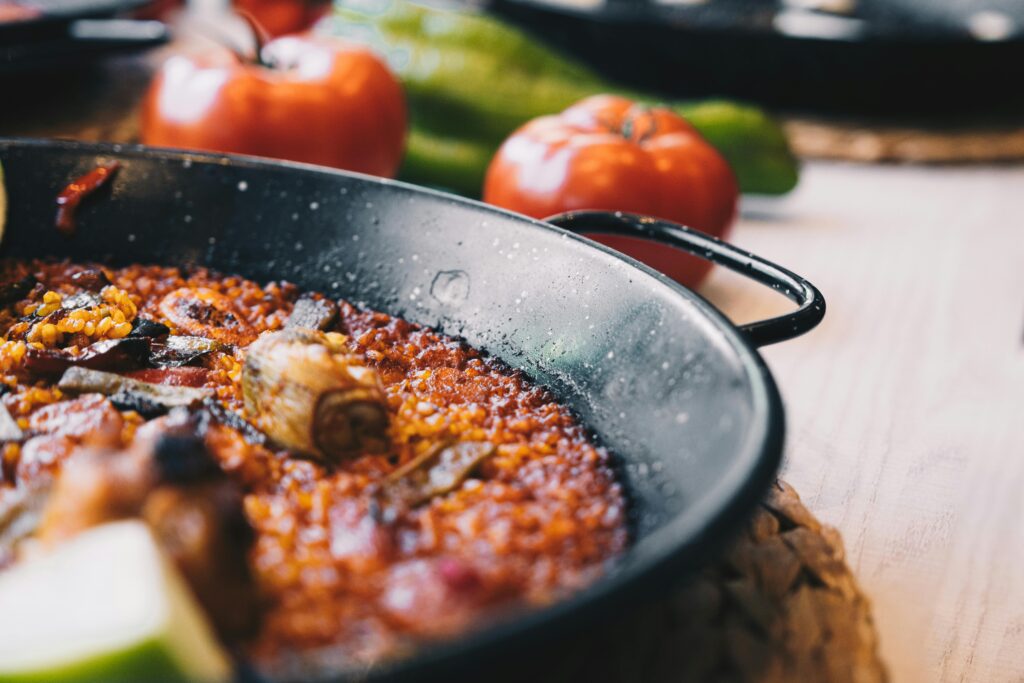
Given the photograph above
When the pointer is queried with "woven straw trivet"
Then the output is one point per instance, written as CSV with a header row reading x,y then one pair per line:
x,y
780,606
875,142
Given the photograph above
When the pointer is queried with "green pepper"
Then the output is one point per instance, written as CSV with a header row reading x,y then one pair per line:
x,y
752,141
471,80
445,162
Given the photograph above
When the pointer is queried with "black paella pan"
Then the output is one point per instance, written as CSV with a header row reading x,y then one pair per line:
x,y
670,386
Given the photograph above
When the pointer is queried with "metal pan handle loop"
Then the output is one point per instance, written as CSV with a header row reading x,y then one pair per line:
x,y
811,304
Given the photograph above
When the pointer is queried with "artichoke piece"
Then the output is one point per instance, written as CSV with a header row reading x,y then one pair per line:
x,y
78,380
435,472
178,350
313,313
310,395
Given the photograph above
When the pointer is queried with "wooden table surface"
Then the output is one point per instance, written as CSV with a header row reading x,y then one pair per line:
x,y
905,408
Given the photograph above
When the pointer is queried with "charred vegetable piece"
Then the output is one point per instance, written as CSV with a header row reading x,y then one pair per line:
x,y
311,396
216,412
92,279
181,456
127,400
435,472
77,380
143,327
11,292
313,313
9,429
202,312
110,354
180,350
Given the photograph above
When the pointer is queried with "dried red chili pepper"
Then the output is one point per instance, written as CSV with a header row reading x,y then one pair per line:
x,y
77,190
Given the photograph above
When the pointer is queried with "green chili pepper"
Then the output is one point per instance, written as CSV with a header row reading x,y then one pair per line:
x,y
471,80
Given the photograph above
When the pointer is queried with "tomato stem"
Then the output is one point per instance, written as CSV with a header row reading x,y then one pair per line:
x,y
260,37
629,126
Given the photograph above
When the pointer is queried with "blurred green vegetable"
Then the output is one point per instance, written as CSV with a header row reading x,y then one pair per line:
x,y
471,80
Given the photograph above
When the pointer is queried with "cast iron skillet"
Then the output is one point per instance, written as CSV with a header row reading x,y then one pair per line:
x,y
665,381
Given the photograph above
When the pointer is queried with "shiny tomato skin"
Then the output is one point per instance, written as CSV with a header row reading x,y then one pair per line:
x,y
608,153
322,103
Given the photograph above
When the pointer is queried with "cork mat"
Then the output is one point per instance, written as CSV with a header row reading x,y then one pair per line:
x,y
780,606
884,142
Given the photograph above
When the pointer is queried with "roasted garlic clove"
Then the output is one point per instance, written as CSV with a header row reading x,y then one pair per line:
x,y
435,472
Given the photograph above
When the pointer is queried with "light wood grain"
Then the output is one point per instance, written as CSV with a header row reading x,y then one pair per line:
x,y
906,407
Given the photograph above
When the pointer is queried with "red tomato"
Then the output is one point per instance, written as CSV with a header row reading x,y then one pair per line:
x,y
278,17
312,100
609,153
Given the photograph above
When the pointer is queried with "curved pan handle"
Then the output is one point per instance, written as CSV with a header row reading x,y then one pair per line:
x,y
761,333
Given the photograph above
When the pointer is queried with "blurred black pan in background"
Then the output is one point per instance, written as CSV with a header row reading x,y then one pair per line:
x,y
919,57
48,36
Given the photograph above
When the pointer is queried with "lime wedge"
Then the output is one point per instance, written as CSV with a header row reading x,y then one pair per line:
x,y
104,606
